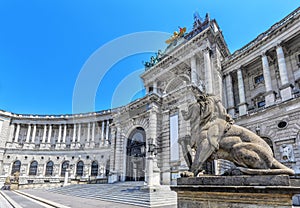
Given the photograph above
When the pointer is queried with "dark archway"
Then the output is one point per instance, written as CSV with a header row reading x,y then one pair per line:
x,y
16,167
79,168
49,168
136,155
64,167
94,171
33,168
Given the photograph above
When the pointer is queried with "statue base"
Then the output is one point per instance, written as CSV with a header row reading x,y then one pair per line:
x,y
14,186
235,191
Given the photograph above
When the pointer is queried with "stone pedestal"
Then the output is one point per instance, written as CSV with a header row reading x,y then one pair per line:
x,y
113,177
153,179
270,98
235,191
286,92
242,109
14,186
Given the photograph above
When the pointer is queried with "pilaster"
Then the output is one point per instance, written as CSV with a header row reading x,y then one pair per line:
x,y
28,133
194,70
49,134
269,96
59,134
44,134
64,134
242,105
208,71
229,93
33,134
17,133
74,133
285,90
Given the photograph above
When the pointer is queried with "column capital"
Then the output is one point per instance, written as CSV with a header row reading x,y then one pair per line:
x,y
279,44
227,74
207,49
263,53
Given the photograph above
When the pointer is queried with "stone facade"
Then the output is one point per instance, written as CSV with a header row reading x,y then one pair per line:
x,y
259,85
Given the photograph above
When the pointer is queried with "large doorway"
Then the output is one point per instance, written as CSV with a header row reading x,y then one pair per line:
x,y
136,155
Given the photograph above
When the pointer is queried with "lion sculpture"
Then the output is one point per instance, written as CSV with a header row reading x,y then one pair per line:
x,y
213,135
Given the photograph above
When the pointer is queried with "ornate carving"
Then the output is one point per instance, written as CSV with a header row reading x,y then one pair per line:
x,y
214,136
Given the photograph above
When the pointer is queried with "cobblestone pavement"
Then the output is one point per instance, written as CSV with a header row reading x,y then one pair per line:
x,y
75,202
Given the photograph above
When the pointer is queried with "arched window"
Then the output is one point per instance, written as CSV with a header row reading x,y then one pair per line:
x,y
33,168
49,168
64,167
94,168
107,168
79,168
16,167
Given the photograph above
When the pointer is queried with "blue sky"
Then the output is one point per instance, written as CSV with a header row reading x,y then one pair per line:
x,y
45,44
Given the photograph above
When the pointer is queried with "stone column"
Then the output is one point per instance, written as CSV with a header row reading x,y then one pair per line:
x,y
79,133
65,133
88,132
33,133
74,133
59,134
194,70
11,133
49,134
269,96
154,87
93,132
285,90
107,133
17,133
28,133
242,104
44,134
102,133
229,92
208,71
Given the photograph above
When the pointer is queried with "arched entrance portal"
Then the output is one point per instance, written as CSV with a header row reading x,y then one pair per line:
x,y
135,155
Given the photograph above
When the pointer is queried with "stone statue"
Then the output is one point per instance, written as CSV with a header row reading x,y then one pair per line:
x,y
16,177
7,181
214,136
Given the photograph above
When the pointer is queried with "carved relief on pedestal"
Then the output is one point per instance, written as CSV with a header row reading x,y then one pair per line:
x,y
287,153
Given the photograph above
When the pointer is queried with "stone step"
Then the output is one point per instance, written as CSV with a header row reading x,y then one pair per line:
x,y
127,193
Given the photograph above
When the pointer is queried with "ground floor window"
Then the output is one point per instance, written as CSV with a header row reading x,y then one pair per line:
x,y
79,168
49,168
16,167
94,171
33,168
64,167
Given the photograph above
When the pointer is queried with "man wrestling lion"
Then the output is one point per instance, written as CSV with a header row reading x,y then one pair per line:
x,y
213,135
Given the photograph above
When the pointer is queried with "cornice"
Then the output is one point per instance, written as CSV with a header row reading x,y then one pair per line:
x,y
264,37
177,53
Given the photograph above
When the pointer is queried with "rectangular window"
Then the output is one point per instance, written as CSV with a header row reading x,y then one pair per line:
x,y
259,79
174,148
261,104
